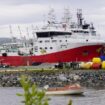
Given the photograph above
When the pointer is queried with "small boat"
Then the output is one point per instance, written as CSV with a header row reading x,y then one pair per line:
x,y
67,90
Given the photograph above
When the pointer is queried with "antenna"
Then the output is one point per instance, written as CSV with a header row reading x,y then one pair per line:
x,y
79,17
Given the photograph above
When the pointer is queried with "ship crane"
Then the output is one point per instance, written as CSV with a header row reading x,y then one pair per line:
x,y
20,31
11,33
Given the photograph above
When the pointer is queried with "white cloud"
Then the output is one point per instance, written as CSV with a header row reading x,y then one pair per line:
x,y
20,12
31,11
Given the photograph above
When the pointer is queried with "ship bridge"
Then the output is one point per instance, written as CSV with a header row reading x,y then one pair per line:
x,y
46,34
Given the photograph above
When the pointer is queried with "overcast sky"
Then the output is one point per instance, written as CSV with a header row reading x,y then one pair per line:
x,y
27,12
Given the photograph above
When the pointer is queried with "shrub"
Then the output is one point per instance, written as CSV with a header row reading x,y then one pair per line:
x,y
32,95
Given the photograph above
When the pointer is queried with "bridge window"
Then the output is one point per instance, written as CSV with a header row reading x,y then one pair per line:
x,y
47,41
54,40
52,33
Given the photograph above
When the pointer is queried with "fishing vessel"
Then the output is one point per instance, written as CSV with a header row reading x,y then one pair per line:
x,y
64,41
75,89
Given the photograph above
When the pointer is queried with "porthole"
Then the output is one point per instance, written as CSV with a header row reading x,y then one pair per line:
x,y
51,47
86,40
40,47
40,41
45,47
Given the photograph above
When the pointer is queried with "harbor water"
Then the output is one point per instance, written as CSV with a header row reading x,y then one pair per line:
x,y
90,97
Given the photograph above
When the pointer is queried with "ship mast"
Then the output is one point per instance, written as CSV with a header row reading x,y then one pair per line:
x,y
33,33
14,40
79,17
11,30
51,17
11,33
28,40
23,39
67,16
66,20
27,30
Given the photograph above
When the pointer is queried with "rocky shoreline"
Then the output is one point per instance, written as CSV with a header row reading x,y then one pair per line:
x,y
86,78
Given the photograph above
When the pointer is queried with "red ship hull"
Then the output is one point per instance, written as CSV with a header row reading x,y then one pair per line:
x,y
84,53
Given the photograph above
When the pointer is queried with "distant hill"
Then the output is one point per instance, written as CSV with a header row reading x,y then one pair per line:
x,y
5,40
